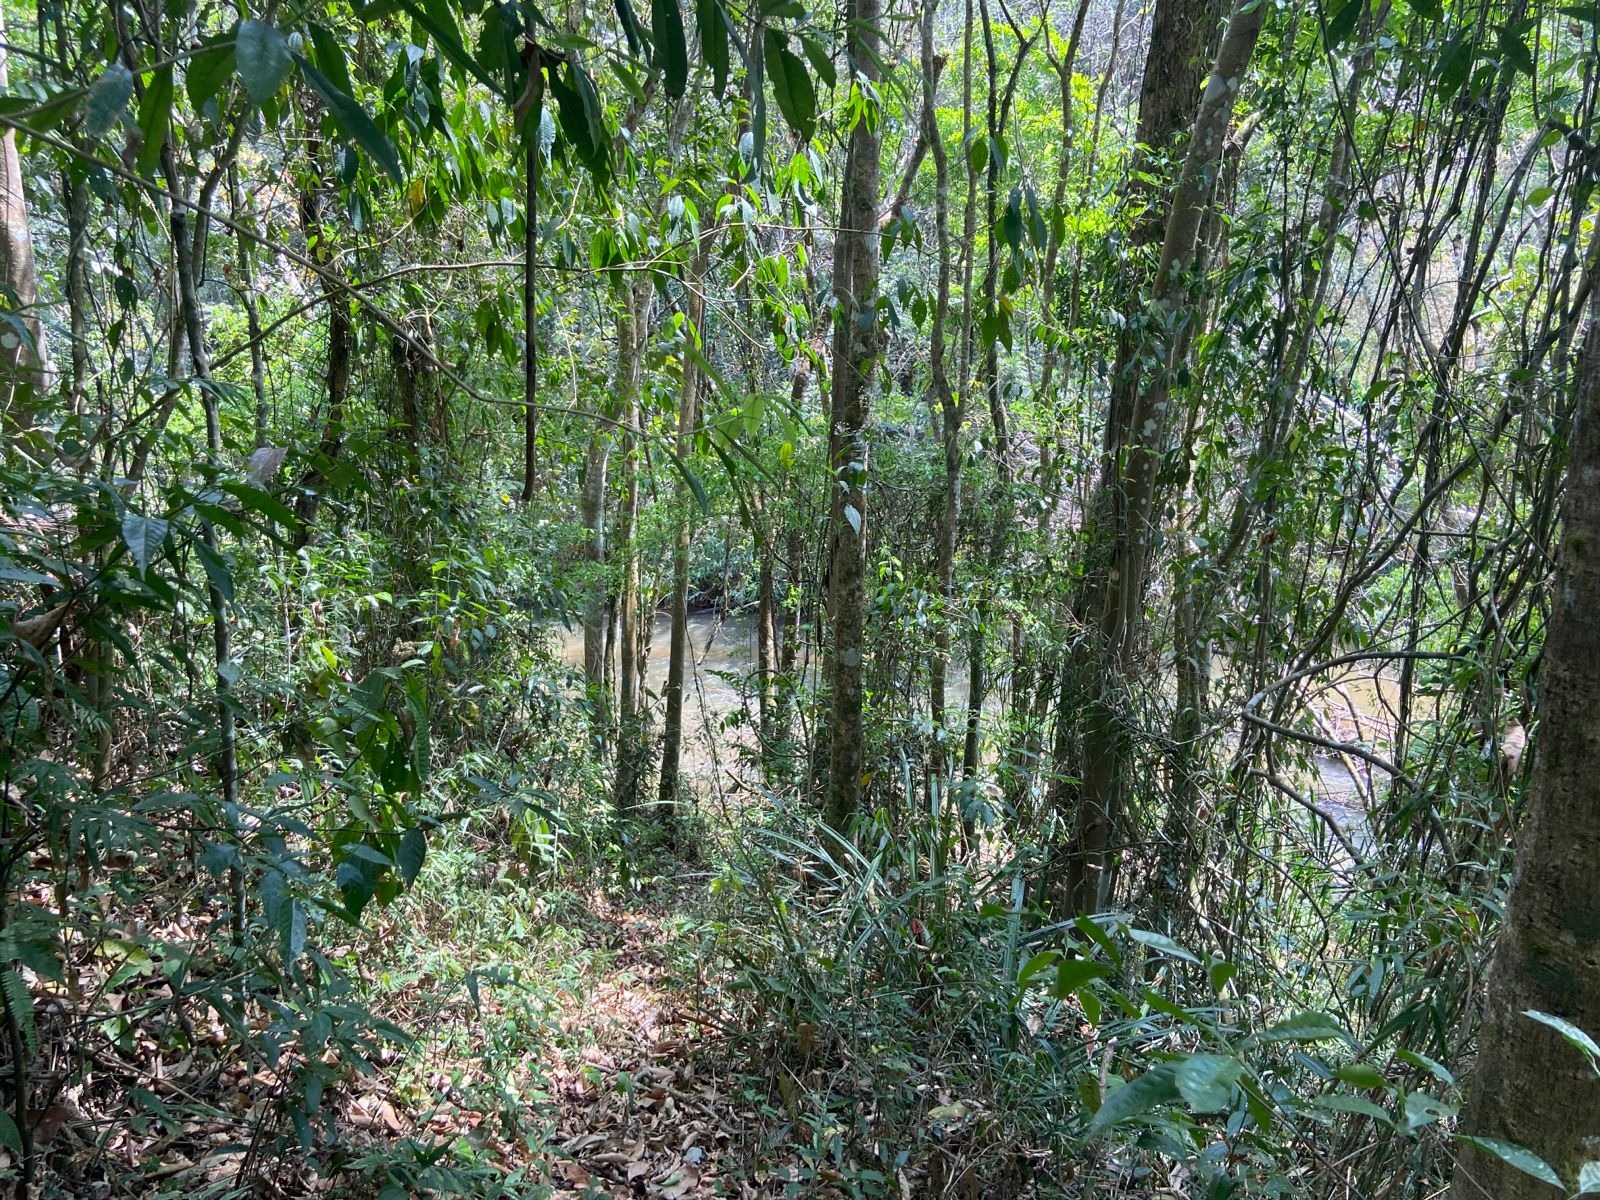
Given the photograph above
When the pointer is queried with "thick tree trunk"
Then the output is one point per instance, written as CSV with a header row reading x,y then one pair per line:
x,y
1122,521
1530,1087
856,346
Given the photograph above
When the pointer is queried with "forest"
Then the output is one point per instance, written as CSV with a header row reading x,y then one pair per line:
x,y
758,598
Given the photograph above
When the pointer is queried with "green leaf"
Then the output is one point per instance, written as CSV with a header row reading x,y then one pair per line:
x,y
1422,1109
1340,1102
1343,23
155,117
10,1136
797,99
1361,1075
108,97
434,16
1429,10
262,58
1515,51
1438,1070
1205,1081
292,930
1305,1027
143,537
1161,944
1073,973
1455,65
409,858
1159,1086
712,27
216,568
1568,1030
821,61
353,121
1039,963
330,59
207,70
638,44
1011,223
666,25
1513,1155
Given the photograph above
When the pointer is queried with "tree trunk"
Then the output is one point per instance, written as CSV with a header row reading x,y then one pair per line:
x,y
1123,514
532,161
1530,1087
24,359
678,648
856,346
630,691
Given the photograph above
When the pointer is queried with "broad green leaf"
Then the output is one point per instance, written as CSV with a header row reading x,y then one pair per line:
x,y
1205,1081
712,27
1422,1109
1513,1155
330,58
155,118
1011,223
1515,51
1361,1075
1341,1102
1568,1030
1036,965
638,44
207,70
1305,1027
672,52
10,1136
1155,1087
1159,942
262,58
1074,973
797,99
821,62
353,121
143,537
1342,23
1437,1069
108,97
409,858
292,930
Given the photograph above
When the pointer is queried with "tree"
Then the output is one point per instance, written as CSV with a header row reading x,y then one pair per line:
x,y
856,347
1530,1087
24,361
1121,531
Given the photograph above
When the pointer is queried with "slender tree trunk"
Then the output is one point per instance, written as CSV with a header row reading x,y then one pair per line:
x,y
856,346
533,157
331,442
1531,1087
949,411
630,691
678,650
252,311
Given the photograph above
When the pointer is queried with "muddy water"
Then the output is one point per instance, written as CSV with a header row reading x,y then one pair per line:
x,y
724,654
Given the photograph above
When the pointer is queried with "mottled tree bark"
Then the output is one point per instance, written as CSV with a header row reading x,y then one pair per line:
x,y
1530,1087
856,346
